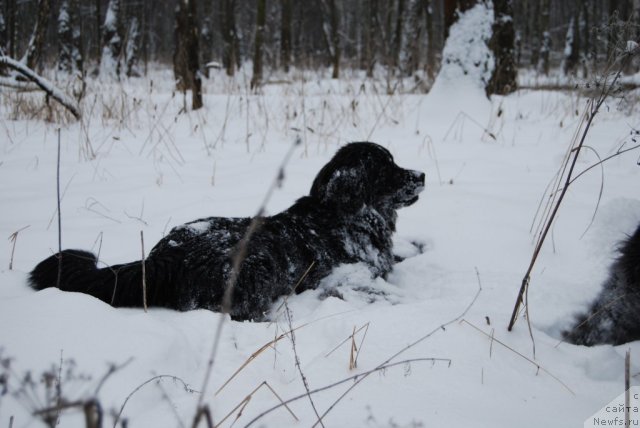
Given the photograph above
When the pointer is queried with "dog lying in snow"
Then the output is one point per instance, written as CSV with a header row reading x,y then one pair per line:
x,y
614,317
348,217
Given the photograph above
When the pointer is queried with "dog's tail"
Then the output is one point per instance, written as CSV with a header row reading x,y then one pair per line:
x,y
614,317
77,270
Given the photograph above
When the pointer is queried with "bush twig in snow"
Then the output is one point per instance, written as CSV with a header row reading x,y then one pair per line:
x,y
593,107
43,84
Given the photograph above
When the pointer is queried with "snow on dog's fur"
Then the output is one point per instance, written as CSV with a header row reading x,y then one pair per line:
x,y
348,217
614,316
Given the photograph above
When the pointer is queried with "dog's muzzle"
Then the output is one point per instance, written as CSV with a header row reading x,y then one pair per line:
x,y
413,185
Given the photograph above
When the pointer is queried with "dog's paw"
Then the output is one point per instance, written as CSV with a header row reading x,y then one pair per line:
x,y
406,248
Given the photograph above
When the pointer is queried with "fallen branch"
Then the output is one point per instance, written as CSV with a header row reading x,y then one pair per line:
x,y
43,84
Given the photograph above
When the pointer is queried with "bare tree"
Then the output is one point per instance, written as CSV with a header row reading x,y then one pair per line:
x,y
285,34
256,79
431,46
10,18
572,43
331,16
502,43
230,58
371,31
396,47
112,42
69,48
132,48
36,43
186,64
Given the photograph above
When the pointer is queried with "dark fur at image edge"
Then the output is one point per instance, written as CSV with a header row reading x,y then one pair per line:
x,y
349,216
614,316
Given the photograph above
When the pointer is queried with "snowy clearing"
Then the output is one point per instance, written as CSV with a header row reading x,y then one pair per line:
x,y
137,163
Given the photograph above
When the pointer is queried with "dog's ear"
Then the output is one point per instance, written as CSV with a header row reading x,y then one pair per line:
x,y
341,186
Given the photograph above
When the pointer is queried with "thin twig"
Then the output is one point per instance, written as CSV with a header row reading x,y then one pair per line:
x,y
268,345
245,401
347,339
59,391
356,378
538,366
593,107
627,385
239,257
144,273
298,365
59,216
186,387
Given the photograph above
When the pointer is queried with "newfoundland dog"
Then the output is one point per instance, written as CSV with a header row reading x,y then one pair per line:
x,y
348,217
614,316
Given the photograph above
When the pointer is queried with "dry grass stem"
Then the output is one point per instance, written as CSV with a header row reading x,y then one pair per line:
x,y
538,366
144,273
14,239
245,402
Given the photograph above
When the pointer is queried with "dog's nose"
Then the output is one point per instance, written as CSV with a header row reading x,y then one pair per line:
x,y
418,176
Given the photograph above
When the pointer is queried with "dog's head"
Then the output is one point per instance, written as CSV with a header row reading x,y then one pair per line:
x,y
365,174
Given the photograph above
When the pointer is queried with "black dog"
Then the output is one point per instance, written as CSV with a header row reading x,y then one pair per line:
x,y
614,317
348,217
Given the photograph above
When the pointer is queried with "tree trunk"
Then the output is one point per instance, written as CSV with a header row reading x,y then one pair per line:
x,y
285,34
544,48
36,43
397,36
229,36
65,37
572,44
186,64
415,37
335,37
259,40
503,79
11,28
371,31
98,32
112,42
431,46
132,48
69,40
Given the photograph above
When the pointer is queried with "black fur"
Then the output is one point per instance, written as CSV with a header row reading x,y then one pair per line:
x,y
348,217
614,317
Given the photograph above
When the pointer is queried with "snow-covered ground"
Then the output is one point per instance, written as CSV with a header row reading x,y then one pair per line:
x,y
155,168
431,349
